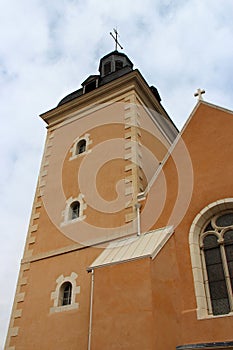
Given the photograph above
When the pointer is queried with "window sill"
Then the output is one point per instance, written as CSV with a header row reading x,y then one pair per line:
x,y
79,155
202,316
64,308
68,222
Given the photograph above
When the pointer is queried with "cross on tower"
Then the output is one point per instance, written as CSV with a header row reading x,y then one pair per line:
x,y
199,94
115,38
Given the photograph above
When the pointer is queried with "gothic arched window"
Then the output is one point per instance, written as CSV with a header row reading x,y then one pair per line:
x,y
65,293
74,210
81,146
216,243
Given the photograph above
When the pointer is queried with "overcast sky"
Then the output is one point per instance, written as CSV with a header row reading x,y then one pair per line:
x,y
48,48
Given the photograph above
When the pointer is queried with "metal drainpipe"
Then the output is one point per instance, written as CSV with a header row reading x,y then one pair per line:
x,y
91,309
138,206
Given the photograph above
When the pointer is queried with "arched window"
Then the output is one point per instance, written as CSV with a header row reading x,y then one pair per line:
x,y
81,146
65,294
216,243
74,210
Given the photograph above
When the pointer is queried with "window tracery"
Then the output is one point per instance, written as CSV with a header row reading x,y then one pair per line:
x,y
211,250
216,242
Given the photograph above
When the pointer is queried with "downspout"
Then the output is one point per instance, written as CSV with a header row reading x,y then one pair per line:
x,y
138,206
91,309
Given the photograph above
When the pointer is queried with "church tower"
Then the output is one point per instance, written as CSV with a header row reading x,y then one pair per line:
x,y
105,141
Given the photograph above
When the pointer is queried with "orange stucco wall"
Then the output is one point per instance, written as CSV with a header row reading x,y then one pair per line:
x,y
163,288
40,329
122,310
208,139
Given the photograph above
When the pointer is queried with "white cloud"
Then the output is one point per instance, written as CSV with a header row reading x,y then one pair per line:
x,y
48,48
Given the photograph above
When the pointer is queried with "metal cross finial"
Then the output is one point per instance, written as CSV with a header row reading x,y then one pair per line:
x,y
115,38
199,94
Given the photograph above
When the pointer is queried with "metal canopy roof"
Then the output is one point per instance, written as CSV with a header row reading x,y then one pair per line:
x,y
136,247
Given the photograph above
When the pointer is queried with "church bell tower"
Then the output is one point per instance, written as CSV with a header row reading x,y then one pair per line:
x,y
104,143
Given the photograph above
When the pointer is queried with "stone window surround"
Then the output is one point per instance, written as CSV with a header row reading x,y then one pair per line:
x,y
55,295
73,149
66,213
202,295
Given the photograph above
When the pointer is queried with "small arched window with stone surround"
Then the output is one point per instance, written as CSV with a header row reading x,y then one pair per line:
x,y
211,247
74,210
80,147
65,294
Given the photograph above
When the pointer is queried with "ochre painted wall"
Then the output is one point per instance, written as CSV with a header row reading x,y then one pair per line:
x,y
208,138
122,310
40,329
